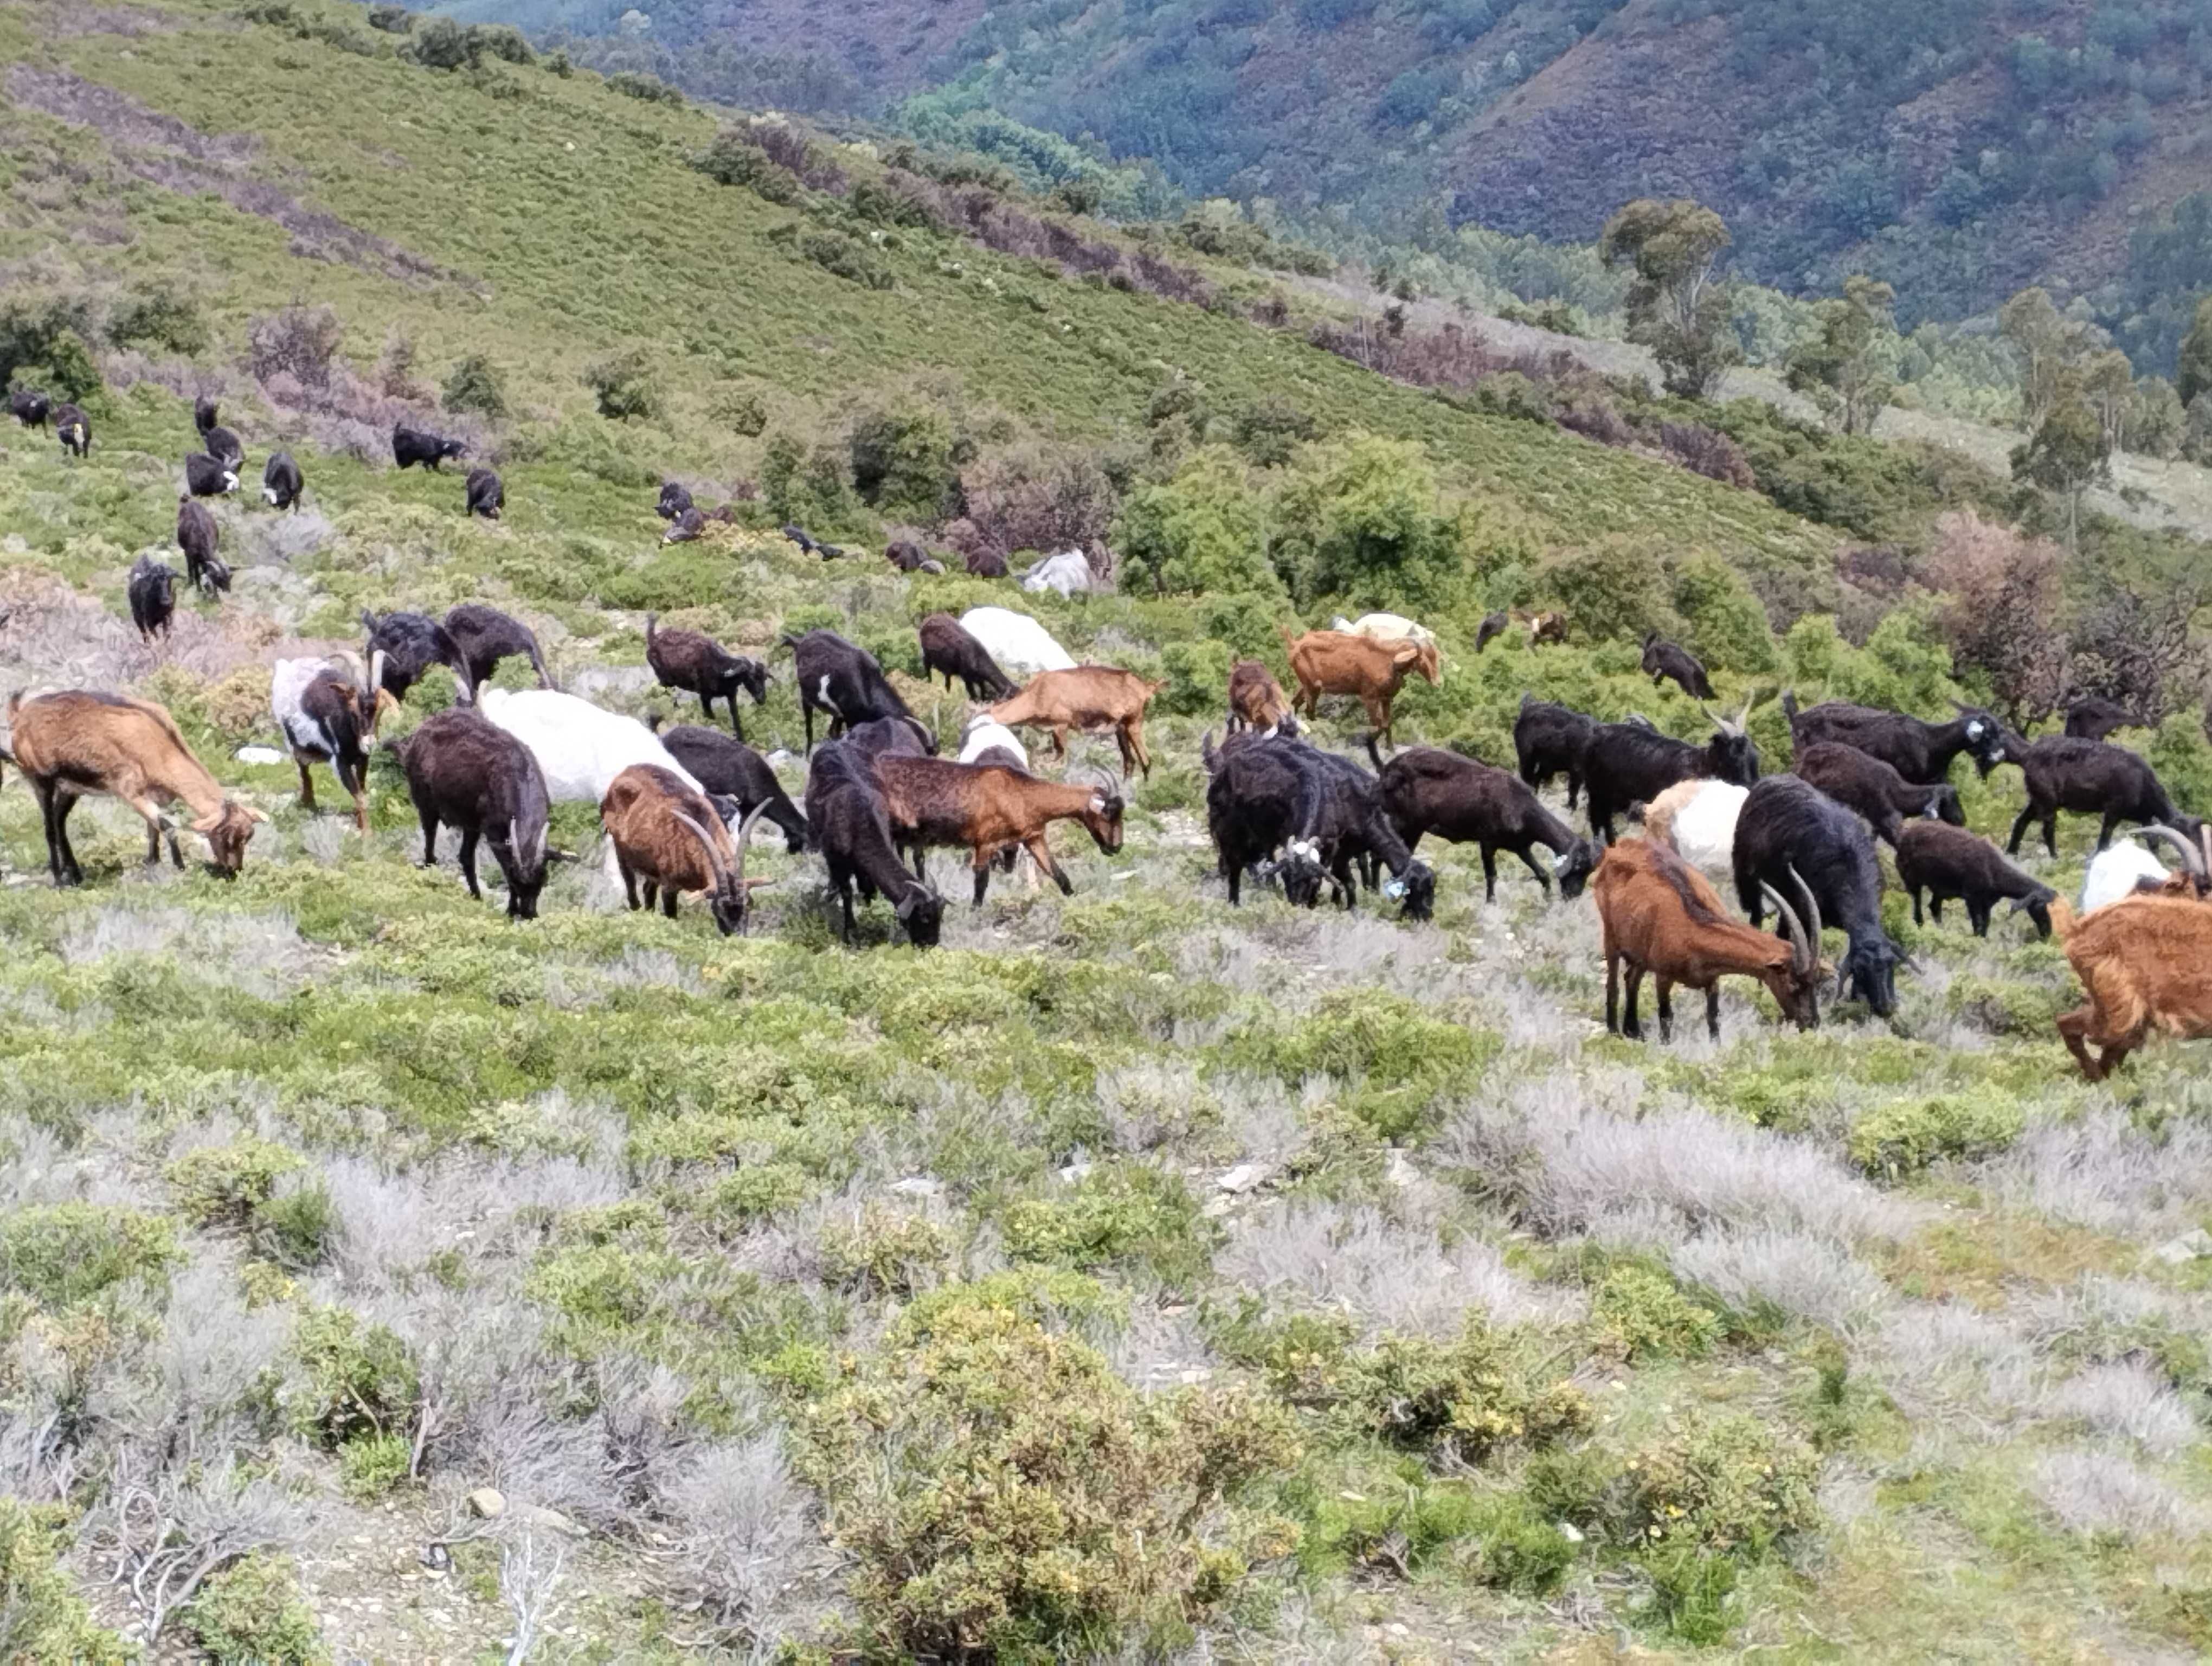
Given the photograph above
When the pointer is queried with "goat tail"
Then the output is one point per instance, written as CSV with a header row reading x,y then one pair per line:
x,y
2062,918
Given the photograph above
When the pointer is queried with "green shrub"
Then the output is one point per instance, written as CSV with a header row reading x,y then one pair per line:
x,y
1690,1592
2182,757
755,1190
625,386
474,385
1905,1135
61,1253
1641,1313
69,372
1723,622
224,1185
41,1616
441,44
371,1465
886,1251
1722,1481
1509,394
1118,1213
1204,530
558,63
253,1613
631,83
847,257
391,19
1512,1548
160,315
297,1228
1362,519
359,1379
1614,590
1460,1399
731,158
906,461
742,410
1198,676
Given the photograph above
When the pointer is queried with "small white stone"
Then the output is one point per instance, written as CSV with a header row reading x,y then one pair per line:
x,y
2189,1246
1075,1171
918,1185
1399,1170
487,1502
1570,1533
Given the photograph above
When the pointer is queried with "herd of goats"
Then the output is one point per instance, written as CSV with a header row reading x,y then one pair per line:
x,y
679,807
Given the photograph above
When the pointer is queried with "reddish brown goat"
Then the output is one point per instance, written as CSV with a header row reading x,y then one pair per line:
x,y
1337,662
988,808
2145,963
1256,700
1085,697
76,742
667,835
1662,916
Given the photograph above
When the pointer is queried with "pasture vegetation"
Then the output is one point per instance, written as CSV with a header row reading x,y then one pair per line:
x,y
1131,1276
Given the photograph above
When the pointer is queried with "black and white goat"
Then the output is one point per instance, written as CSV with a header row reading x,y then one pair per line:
x,y
329,710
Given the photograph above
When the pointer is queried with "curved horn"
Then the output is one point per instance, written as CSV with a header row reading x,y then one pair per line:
x,y
1801,954
1744,717
544,829
346,659
746,832
1812,910
714,856
375,671
1718,721
2191,857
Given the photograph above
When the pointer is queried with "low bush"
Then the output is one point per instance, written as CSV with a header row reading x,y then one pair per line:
x,y
474,385
1905,1135
847,257
1458,1400
625,386
357,1380
630,83
886,1251
373,1465
1124,1213
253,1613
61,1253
41,1616
225,1185
161,315
1722,1481
742,410
1640,1314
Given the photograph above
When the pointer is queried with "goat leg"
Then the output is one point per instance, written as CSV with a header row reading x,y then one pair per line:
x,y
1631,1026
1612,994
1917,918
2104,833
306,784
668,901
1713,1009
429,837
469,861
1666,992
1490,873
2020,827
1041,853
2051,833
629,884
2073,1030
982,872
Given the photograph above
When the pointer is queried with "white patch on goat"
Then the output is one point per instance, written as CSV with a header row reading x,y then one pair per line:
x,y
823,696
269,496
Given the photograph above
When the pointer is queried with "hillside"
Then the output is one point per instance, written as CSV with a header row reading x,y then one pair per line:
x,y
1131,1275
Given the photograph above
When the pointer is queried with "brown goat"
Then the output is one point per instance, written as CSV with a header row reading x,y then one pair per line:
x,y
2145,963
667,835
988,808
77,743
1662,916
1085,697
1337,662
1256,700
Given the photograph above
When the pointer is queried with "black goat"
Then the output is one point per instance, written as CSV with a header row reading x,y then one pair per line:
x,y
694,663
1627,763
1865,784
1549,740
485,636
1425,789
2091,717
199,537
2090,777
1947,861
281,484
486,494
225,447
1663,659
205,414
686,527
1343,816
469,773
852,828
907,737
908,557
73,430
153,591
411,446
30,409
947,647
839,678
986,564
412,643
674,501
1493,625
797,536
1253,806
1787,825
1918,750
209,477
729,768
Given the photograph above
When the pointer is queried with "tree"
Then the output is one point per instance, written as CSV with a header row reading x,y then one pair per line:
x,y
2050,346
1846,368
2107,383
2196,372
474,385
1363,520
1205,530
2068,452
1676,305
2000,617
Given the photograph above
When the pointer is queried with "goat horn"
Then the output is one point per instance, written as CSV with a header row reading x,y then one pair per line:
x,y
346,659
714,856
1799,952
1812,908
2192,858
375,671
544,828
746,832
1718,721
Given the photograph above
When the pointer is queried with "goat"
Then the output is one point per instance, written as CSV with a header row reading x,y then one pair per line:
x,y
225,447
1087,698
29,408
1383,628
837,677
153,591
281,484
729,769
1253,806
484,636
209,477
987,808
1946,861
1425,790
206,413
674,501
1550,626
1626,762
986,564
2145,964
1065,574
76,743
1918,750
1332,662
908,557
797,536
1663,659
1342,817
467,773
1696,819
1256,700
412,445
198,536
328,710
412,643
852,828
694,662
1493,625
947,648
580,748
668,839
889,737
1273,791
73,430
1015,640
1550,739
1788,828
1865,784
2090,777
985,741
687,528
2093,717
485,496
1658,915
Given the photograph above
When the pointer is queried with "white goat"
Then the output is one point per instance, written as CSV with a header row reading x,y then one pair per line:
x,y
1068,573
1019,644
1698,818
2113,873
579,747
986,734
1383,628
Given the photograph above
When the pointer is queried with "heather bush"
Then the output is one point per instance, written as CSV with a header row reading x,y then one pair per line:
x,y
849,257
1722,1481
301,343
226,1185
160,315
1641,1314
1202,530
253,1613
1457,1400
632,83
59,1254
625,386
1126,1212
734,157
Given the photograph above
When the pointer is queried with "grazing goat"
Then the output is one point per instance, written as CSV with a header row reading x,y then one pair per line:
x,y
1344,820
889,737
668,839
1663,659
986,564
1493,625
485,636
1658,915
30,409
198,536
1333,662
206,413
1086,699
225,447
281,484
412,643
1383,628
908,556
842,680
1256,700
987,808
687,528
1015,640
2090,777
674,501
1066,574
808,546
209,477
73,430
1425,790
1946,861
2091,717
2123,869
329,710
729,769
2145,964
947,648
580,748
1696,819
1865,783
852,828
1253,809
1549,740
412,445
74,744
1547,627
694,663
153,591
1626,763
1788,829
467,773
1918,751
486,496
